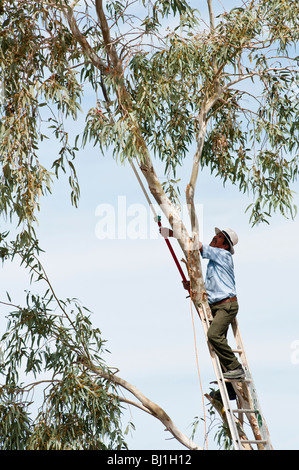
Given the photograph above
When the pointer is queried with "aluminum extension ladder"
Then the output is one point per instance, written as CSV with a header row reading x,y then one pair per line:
x,y
247,399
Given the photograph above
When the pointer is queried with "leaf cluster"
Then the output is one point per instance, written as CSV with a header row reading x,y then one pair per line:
x,y
36,56
51,350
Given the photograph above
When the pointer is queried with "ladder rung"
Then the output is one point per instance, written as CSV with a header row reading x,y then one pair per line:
x,y
237,380
245,410
238,351
253,441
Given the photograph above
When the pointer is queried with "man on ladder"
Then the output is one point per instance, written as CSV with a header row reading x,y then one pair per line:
x,y
221,291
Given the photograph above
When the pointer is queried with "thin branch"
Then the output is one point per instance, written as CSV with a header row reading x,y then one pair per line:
x,y
147,405
253,74
211,14
109,44
134,403
86,47
10,305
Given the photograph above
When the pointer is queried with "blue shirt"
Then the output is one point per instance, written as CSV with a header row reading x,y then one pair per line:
x,y
220,276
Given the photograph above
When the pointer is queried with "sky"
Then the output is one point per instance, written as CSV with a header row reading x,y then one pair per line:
x,y
131,285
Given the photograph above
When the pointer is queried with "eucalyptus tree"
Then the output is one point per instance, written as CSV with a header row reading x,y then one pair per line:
x,y
167,80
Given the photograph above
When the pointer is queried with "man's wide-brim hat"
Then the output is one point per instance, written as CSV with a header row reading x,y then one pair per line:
x,y
231,237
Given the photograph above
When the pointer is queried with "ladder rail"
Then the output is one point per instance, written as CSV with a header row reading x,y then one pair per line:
x,y
237,442
257,419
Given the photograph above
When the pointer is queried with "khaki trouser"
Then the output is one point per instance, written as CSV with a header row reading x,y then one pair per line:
x,y
223,315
